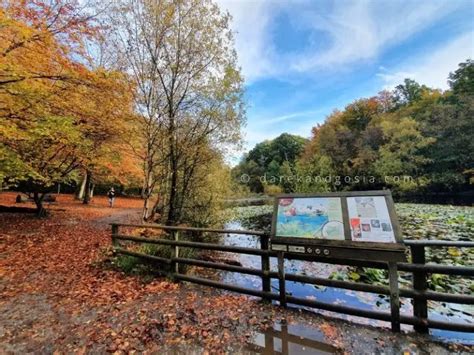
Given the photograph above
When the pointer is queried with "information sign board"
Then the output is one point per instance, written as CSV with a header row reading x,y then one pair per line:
x,y
336,224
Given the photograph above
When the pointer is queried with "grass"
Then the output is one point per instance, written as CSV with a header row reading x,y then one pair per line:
x,y
138,266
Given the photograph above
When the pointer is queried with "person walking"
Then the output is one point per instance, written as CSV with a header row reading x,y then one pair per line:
x,y
111,196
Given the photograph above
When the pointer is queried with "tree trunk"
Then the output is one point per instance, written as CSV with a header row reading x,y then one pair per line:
x,y
147,189
171,220
40,210
172,202
82,188
87,193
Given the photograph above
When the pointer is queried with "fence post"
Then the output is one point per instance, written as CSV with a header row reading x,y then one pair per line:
x,y
284,339
420,305
175,264
281,278
266,281
394,296
115,228
269,347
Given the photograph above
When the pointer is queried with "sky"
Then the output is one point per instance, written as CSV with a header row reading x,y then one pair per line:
x,y
302,59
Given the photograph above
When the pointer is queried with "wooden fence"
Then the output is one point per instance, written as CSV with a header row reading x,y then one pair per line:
x,y
420,270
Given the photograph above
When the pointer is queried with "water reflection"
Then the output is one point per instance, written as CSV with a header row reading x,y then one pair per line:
x,y
291,339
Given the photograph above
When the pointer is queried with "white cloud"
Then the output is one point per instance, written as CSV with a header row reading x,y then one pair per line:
x,y
433,68
266,127
345,31
360,30
250,23
287,117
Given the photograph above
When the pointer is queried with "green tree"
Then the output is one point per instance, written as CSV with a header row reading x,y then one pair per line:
x,y
401,163
350,139
263,164
449,121
412,131
461,81
316,175
408,92
287,177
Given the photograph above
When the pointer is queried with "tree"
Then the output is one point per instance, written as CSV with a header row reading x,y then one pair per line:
x,y
349,139
110,118
448,120
408,92
414,138
288,178
357,147
264,162
189,93
56,113
316,175
461,81
249,173
402,161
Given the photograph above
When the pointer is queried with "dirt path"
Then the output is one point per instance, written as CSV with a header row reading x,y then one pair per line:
x,y
130,215
60,294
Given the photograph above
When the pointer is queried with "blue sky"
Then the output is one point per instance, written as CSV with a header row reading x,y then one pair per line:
x,y
304,58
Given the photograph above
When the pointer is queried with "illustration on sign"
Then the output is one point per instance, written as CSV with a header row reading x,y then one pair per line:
x,y
370,219
310,217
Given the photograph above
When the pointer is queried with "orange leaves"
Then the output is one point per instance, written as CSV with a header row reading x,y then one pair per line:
x,y
329,331
161,286
63,19
332,334
59,112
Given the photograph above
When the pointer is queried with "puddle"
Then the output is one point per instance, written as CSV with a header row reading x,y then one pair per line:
x,y
291,339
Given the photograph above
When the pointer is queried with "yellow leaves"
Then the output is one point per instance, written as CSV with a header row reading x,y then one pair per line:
x,y
454,252
55,113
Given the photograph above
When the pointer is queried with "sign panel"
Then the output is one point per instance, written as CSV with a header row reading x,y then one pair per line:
x,y
352,225
370,220
310,217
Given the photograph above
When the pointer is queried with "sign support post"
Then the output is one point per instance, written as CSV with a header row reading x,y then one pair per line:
x,y
394,296
281,278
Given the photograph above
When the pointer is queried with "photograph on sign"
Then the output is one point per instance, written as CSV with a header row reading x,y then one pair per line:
x,y
310,217
370,220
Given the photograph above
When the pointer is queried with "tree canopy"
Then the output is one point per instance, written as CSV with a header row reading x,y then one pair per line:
x,y
270,162
57,113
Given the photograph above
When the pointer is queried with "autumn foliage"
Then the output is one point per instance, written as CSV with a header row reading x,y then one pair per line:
x,y
58,111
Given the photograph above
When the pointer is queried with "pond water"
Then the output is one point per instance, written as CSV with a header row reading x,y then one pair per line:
x,y
438,311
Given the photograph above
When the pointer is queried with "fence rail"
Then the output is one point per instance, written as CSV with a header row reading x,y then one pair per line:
x,y
418,267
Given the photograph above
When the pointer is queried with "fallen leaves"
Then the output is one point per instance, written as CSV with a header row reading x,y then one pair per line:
x,y
97,308
332,334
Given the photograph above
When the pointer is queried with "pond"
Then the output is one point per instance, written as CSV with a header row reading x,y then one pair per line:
x,y
417,221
